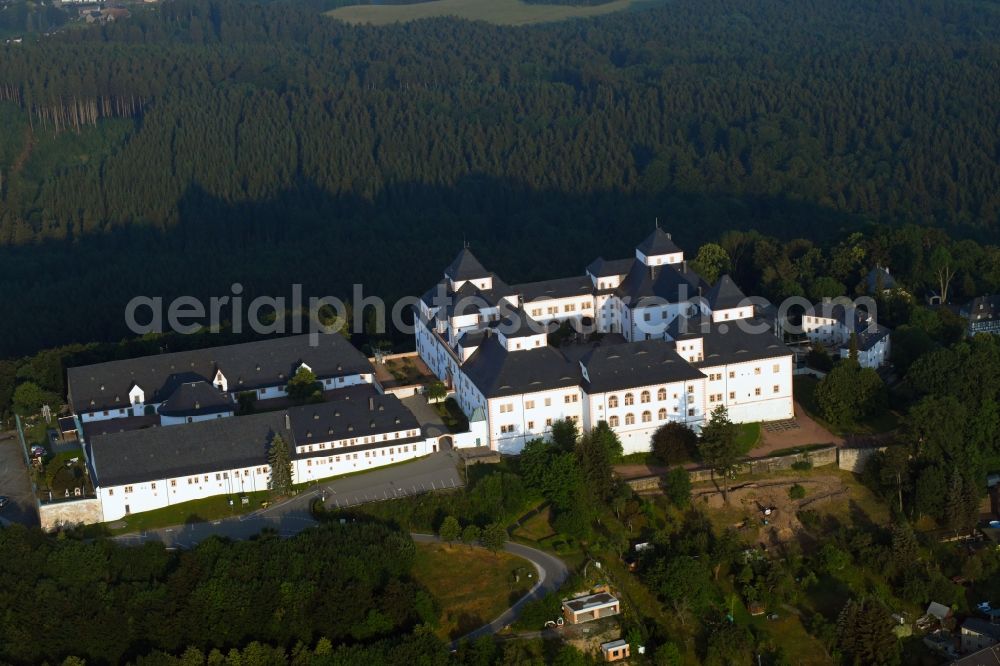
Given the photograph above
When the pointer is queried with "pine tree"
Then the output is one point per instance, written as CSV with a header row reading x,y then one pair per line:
x,y
279,458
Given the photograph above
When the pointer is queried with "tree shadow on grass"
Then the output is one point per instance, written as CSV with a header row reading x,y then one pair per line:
x,y
466,623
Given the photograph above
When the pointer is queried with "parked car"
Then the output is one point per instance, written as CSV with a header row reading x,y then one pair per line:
x,y
3,501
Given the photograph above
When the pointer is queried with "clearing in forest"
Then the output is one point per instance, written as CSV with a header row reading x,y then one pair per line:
x,y
472,585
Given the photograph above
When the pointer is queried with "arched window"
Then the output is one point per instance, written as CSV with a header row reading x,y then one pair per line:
x,y
629,419
613,421
644,397
662,414
612,402
647,417
629,399
661,394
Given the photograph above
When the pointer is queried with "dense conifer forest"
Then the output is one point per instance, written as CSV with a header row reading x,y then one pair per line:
x,y
201,143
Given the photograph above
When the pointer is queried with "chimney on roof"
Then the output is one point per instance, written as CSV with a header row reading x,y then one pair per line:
x,y
685,265
288,422
371,403
669,237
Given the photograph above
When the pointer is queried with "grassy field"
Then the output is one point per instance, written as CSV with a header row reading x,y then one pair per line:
x,y
489,584
501,12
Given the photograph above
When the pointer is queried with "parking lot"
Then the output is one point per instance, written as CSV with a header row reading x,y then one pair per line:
x,y
14,483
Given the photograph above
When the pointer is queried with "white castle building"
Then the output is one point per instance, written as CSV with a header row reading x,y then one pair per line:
x,y
656,344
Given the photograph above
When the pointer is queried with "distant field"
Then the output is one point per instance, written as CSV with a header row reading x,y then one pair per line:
x,y
502,12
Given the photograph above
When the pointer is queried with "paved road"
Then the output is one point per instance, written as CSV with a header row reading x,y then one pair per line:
x,y
291,517
15,484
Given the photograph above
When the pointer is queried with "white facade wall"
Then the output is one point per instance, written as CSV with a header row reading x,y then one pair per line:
x,y
872,358
119,501
341,462
730,314
824,330
651,321
660,259
515,420
651,407
561,309
748,389
180,420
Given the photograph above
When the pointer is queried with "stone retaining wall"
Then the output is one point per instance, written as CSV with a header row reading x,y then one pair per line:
x,y
70,512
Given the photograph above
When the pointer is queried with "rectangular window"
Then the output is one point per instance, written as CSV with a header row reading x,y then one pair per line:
x,y
777,389
776,368
732,374
756,391
153,485
128,489
529,404
548,423
756,371
531,425
732,395
548,402
691,412
173,483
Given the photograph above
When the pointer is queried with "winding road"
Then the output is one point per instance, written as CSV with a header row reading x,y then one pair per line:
x,y
292,516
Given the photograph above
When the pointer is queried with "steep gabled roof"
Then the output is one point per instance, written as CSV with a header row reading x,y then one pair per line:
x,y
673,283
602,267
623,366
194,398
558,288
497,372
725,294
465,266
246,366
658,242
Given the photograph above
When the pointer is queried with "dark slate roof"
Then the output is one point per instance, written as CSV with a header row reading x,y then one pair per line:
x,y
236,442
246,366
879,278
589,601
658,242
204,447
617,367
986,657
983,627
982,308
727,342
869,336
724,295
601,267
558,288
471,339
519,324
350,417
474,295
497,372
193,398
671,282
465,266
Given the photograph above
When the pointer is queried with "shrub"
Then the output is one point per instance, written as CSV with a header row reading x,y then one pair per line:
x,y
796,492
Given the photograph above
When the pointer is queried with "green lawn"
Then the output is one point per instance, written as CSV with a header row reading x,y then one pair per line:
x,y
452,415
490,583
195,511
748,437
502,12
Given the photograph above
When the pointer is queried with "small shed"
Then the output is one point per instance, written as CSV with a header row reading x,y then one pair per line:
x,y
615,650
590,607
